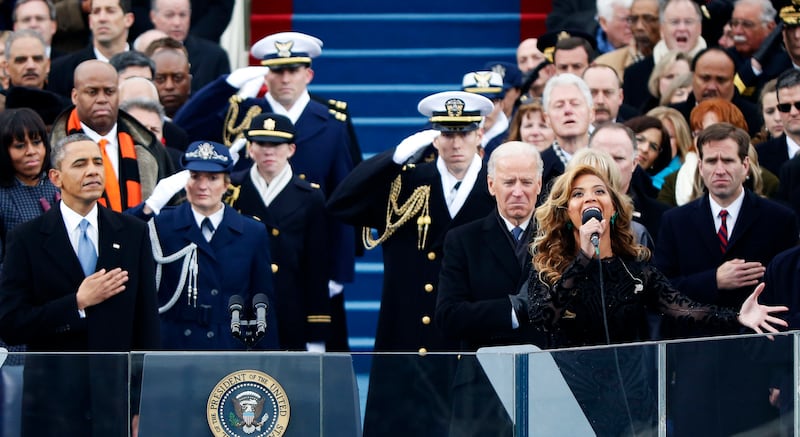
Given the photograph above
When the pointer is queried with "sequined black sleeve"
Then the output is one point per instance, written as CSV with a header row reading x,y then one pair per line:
x,y
546,304
672,303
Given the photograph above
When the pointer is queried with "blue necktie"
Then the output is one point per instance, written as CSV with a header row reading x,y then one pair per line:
x,y
208,228
517,233
86,254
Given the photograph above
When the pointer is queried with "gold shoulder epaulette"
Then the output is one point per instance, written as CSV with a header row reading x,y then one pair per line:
x,y
338,115
232,194
337,104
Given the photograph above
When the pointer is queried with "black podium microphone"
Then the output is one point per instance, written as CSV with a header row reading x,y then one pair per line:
x,y
261,304
235,304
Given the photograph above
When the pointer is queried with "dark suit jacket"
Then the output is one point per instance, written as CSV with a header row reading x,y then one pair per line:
x,y
62,70
208,61
789,188
480,269
553,168
710,374
298,245
773,153
634,83
41,277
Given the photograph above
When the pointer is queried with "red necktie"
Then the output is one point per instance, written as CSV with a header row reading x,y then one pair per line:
x,y
722,234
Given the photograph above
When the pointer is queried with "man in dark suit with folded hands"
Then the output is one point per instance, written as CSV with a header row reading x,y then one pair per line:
x,y
79,278
484,263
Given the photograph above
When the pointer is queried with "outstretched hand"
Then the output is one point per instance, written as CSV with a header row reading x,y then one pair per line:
x,y
759,317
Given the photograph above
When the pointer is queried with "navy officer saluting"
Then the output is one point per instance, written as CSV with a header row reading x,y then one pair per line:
x,y
409,394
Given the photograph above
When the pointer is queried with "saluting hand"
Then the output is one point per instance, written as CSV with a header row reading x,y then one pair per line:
x,y
101,285
758,317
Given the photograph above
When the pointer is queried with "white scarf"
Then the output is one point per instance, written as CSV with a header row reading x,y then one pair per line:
x,y
661,49
270,191
448,180
684,183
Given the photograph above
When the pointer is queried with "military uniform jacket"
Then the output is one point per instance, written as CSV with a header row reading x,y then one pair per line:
x,y
322,156
298,241
235,261
410,278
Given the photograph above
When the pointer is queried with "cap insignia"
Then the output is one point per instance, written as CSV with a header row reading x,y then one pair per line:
x,y
284,48
563,35
482,79
206,152
269,124
454,107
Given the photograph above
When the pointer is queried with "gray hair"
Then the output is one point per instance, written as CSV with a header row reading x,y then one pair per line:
x,y
57,152
24,33
514,149
562,80
768,11
605,8
144,104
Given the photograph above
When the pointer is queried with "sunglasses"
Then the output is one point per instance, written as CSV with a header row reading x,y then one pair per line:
x,y
786,107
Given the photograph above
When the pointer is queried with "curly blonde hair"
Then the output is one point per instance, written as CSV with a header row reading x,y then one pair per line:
x,y
555,247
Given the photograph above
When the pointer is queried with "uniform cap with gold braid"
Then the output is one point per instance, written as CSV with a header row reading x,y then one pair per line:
x,y
286,50
455,111
790,15
270,128
486,83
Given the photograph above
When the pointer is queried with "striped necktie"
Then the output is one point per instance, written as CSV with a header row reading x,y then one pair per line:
x,y
722,234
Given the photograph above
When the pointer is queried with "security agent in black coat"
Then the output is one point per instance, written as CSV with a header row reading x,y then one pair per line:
x,y
483,266
773,153
207,61
295,219
410,394
61,77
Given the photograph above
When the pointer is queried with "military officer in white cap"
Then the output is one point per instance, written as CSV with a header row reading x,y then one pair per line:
x,y
409,394
324,153
490,85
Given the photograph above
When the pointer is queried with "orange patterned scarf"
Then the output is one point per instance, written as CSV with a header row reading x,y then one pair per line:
x,y
115,197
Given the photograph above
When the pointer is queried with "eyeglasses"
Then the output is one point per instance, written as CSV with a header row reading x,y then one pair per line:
x,y
786,107
746,24
646,18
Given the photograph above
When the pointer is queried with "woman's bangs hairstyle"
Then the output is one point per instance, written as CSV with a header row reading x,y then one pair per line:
x,y
15,124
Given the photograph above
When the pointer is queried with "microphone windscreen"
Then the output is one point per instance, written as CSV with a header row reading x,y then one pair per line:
x,y
236,300
591,213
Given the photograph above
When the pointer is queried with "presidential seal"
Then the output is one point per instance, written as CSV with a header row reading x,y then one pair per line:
x,y
248,403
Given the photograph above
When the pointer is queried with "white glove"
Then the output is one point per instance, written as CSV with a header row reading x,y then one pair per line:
x,y
251,88
334,288
410,145
237,146
241,76
316,347
165,189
